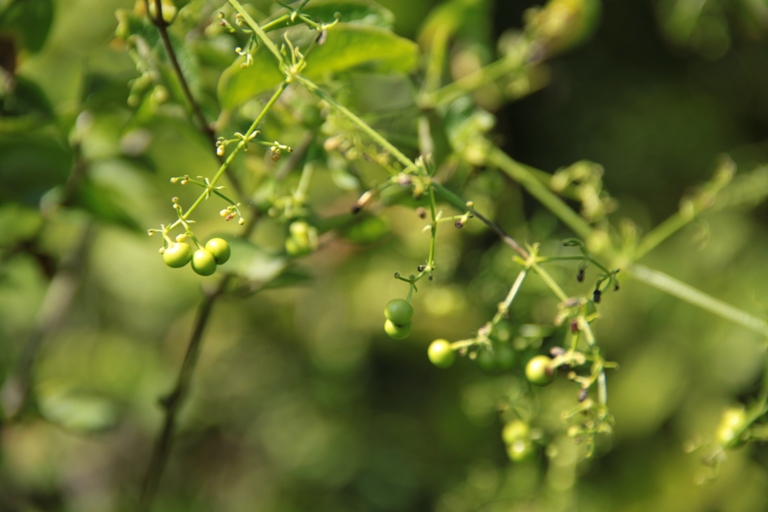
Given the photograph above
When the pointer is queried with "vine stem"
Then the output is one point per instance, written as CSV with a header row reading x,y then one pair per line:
x,y
370,132
176,398
197,112
687,293
257,30
504,306
225,165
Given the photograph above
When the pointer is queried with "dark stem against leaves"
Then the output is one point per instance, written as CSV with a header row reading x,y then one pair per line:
x,y
205,128
175,399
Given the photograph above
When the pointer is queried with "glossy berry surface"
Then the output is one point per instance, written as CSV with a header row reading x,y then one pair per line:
x,y
441,354
177,255
733,421
539,371
220,250
397,332
203,262
399,311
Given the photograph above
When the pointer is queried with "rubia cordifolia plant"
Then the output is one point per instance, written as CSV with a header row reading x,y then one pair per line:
x,y
292,58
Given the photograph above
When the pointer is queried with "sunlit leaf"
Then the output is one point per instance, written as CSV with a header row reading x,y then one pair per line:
x,y
347,46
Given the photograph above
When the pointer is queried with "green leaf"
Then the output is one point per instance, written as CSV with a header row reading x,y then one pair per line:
x,y
77,411
31,166
367,230
104,203
30,21
347,46
348,11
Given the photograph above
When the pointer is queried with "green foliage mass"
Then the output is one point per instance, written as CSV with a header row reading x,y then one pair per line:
x,y
588,136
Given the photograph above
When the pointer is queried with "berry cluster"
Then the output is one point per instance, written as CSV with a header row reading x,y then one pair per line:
x,y
204,260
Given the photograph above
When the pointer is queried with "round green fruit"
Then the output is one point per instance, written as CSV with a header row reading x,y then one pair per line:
x,y
515,430
441,354
399,311
486,360
397,332
177,255
505,357
220,250
539,371
203,262
520,450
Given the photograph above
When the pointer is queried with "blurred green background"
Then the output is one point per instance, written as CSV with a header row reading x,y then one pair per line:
x,y
300,401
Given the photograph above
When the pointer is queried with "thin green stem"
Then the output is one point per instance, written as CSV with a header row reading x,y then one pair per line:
x,y
370,132
549,281
242,144
667,228
687,293
461,205
433,230
602,388
258,31
435,63
527,178
473,81
503,311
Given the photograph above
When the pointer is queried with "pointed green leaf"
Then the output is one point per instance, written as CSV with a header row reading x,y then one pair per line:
x,y
346,47
360,11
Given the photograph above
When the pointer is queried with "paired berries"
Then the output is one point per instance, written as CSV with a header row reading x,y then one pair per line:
x,y
204,260
302,239
731,428
517,436
398,313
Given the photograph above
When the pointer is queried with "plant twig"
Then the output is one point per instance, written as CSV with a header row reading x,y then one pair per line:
x,y
175,399
197,112
687,293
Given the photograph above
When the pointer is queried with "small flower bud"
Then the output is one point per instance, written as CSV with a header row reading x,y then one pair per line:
x,y
241,221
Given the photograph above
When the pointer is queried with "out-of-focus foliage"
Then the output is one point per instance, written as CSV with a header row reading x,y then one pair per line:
x,y
301,402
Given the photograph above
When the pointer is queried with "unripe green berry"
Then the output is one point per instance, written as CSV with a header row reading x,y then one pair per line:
x,y
733,421
520,450
539,371
397,332
177,255
441,354
220,250
515,430
399,311
203,262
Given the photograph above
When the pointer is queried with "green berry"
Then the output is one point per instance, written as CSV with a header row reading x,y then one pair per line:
x,y
177,255
397,332
399,311
505,357
486,360
441,354
732,423
515,430
302,239
203,262
539,371
220,250
520,450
